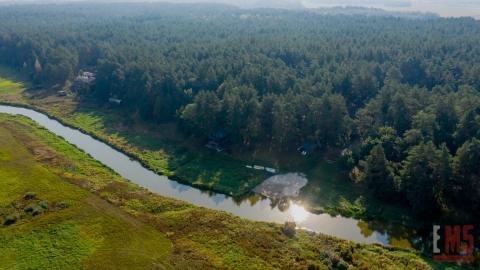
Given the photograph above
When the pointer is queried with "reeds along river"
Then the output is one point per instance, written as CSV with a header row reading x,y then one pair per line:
x,y
253,208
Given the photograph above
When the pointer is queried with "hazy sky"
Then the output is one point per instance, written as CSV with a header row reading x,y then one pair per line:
x,y
442,7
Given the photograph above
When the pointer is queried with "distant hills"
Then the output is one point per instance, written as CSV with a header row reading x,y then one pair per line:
x,y
363,11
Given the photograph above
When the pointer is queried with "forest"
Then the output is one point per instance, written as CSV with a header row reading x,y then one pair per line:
x,y
399,96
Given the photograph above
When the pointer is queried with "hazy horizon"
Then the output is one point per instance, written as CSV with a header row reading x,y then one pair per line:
x,y
444,8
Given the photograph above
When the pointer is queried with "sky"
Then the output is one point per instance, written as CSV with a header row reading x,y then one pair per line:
x,y
446,8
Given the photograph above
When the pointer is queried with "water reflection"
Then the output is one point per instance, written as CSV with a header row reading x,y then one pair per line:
x,y
298,213
178,186
253,207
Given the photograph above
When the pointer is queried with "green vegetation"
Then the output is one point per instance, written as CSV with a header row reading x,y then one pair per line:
x,y
392,91
75,228
161,148
12,86
165,150
399,96
96,220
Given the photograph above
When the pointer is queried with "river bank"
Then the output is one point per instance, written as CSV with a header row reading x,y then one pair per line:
x,y
166,151
194,232
253,207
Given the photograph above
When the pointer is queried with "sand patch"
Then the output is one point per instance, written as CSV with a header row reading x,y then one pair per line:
x,y
280,186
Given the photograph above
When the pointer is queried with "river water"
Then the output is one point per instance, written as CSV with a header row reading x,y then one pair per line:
x,y
251,208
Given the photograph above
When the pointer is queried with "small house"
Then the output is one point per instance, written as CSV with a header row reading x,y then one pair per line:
x,y
214,146
307,148
270,170
115,101
62,93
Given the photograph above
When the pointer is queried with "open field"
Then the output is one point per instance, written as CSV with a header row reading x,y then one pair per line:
x,y
107,217
89,232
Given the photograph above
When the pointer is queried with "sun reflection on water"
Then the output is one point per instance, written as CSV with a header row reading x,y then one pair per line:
x,y
298,213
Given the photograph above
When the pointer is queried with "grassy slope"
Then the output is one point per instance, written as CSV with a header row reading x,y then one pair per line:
x,y
90,232
156,231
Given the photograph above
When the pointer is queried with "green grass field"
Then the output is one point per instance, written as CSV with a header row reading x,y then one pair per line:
x,y
112,224
12,86
88,233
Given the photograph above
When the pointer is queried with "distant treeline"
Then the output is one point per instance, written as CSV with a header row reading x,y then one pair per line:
x,y
400,96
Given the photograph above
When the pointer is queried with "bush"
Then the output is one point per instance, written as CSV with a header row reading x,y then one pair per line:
x,y
37,211
341,265
347,160
29,208
44,204
11,219
62,205
289,228
30,196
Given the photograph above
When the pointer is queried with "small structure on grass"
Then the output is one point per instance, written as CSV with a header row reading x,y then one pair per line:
x,y
261,168
115,101
62,93
307,148
214,146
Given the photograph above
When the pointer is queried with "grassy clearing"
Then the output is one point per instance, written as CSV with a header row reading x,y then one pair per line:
x,y
11,86
156,232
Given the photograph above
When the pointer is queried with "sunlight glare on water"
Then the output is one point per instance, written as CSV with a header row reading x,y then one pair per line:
x,y
298,213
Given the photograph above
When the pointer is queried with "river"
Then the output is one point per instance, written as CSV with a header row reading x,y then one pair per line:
x,y
257,210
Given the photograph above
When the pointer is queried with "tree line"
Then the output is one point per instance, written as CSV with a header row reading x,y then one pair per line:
x,y
399,95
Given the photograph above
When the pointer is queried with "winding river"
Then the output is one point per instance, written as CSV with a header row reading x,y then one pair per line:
x,y
257,210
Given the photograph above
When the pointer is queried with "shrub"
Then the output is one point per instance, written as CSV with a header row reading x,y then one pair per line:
x,y
11,219
62,205
29,208
347,160
43,204
346,253
289,228
341,265
37,211
335,261
30,196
